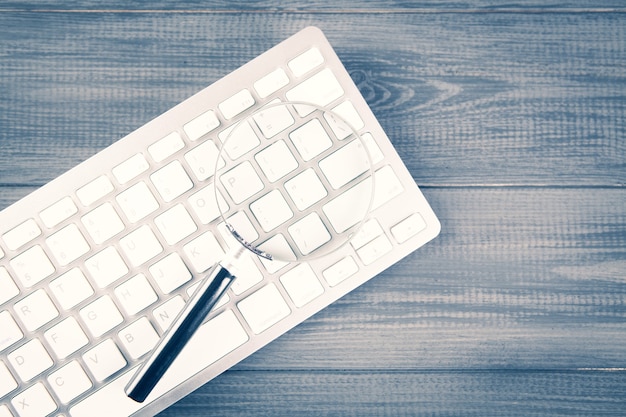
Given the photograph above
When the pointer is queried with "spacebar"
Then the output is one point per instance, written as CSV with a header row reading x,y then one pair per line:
x,y
213,340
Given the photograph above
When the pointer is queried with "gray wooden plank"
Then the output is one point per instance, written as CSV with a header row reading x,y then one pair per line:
x,y
477,99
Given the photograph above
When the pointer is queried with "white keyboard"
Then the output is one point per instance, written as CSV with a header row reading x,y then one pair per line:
x,y
96,264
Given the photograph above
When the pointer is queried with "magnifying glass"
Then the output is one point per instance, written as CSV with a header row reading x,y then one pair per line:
x,y
293,183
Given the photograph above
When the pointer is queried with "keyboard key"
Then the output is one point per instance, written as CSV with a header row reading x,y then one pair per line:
x,y
7,382
66,337
242,182
130,169
11,332
302,285
106,267
22,234
347,114
305,189
345,164
202,159
135,294
102,223
202,351
239,139
35,401
408,228
137,202
204,204
368,231
35,310
244,227
170,273
30,360
71,288
273,120
236,104
8,289
372,251
175,224
309,233
165,314
264,308
387,186
305,62
310,139
58,212
271,83
276,161
171,181
249,274
201,125
100,316
4,411
139,338
67,245
349,208
203,252
340,271
140,245
69,382
271,210
104,360
166,147
32,266
94,191
321,89
1,253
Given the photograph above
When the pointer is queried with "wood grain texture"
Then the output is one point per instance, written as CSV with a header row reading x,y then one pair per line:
x,y
510,116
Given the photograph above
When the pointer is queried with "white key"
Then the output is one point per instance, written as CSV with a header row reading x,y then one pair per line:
x,y
175,224
237,103
8,289
372,147
305,62
102,223
204,204
276,161
59,211
264,308
66,337
203,252
94,191
4,411
203,349
35,401
302,285
273,120
244,227
367,232
309,233
387,186
170,273
35,310
137,202
167,312
22,234
345,164
277,246
202,159
69,382
271,82
68,244
130,168
166,147
104,360
201,125
347,114
239,139
100,316
11,332
305,189
310,139
171,181
140,245
321,89
349,208
242,182
29,360
340,271
32,266
7,382
106,267
71,288
408,228
271,210
139,338
249,275
135,294
372,251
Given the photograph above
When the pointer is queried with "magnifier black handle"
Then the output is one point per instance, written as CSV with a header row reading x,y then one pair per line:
x,y
184,326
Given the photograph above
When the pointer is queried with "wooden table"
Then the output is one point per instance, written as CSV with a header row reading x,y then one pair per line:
x,y
511,119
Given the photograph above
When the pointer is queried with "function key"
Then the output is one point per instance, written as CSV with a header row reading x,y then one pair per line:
x,y
305,62
201,125
21,234
165,147
130,168
59,211
94,190
237,103
271,83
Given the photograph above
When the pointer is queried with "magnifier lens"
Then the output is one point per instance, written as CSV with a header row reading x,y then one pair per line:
x,y
294,181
